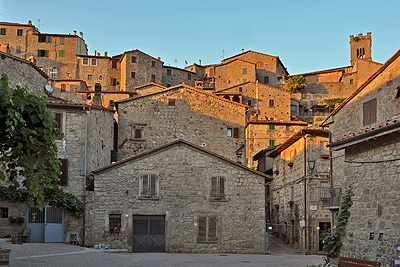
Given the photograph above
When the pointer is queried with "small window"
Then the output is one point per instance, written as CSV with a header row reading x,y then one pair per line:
x,y
272,126
229,132
114,221
153,63
3,212
266,79
138,133
63,87
271,103
351,81
113,81
133,59
207,229
168,72
293,109
43,39
133,75
43,53
19,32
153,78
244,80
59,120
244,70
369,112
171,102
287,127
148,186
114,64
54,73
217,188
89,77
236,132
94,62
2,31
61,53
62,40
240,89
85,61
189,76
100,78
271,142
64,172
18,49
249,102
168,85
279,80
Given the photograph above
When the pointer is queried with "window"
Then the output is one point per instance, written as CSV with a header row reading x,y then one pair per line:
x,y
229,132
287,127
189,76
236,132
18,49
148,186
94,62
43,39
43,53
19,32
3,212
244,80
133,75
293,109
266,79
171,102
100,78
271,142
113,81
64,172
153,63
133,59
249,102
168,72
168,85
279,79
114,64
153,78
240,89
89,77
207,229
63,87
85,61
59,120
217,187
54,73
271,103
272,127
244,70
114,221
351,81
369,112
62,40
2,31
61,53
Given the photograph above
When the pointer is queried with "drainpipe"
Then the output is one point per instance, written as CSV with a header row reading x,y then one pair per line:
x,y
84,180
305,192
245,137
331,177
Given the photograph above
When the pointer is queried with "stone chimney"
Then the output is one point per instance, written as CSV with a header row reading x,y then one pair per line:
x,y
242,50
200,62
98,54
29,22
112,104
74,32
32,59
5,48
105,53
159,58
97,95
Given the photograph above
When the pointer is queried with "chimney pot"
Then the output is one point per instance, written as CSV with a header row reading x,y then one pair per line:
x,y
159,58
74,32
98,54
29,22
105,53
242,50
199,61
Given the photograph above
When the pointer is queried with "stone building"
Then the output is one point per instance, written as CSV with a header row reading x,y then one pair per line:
x,y
365,142
296,201
181,112
149,88
173,76
191,199
338,82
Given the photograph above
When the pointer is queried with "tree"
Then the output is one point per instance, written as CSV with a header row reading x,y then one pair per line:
x,y
296,83
28,150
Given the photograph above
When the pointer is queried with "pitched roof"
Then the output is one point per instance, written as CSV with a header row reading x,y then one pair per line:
x,y
176,68
277,122
367,82
2,54
298,135
249,51
237,59
150,84
16,24
241,84
323,71
179,142
169,89
137,50
54,101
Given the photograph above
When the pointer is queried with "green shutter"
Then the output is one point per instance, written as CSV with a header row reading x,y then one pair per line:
x,y
272,127
202,231
189,76
244,70
168,72
61,53
266,79
62,40
47,53
47,39
272,142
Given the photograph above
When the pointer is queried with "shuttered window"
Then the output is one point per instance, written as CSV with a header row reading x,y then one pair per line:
x,y
217,187
266,79
207,229
59,119
61,53
168,72
153,78
369,112
271,142
114,64
63,87
64,172
19,32
236,132
271,103
148,186
113,81
62,40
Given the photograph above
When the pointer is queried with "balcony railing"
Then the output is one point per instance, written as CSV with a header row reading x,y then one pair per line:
x,y
330,197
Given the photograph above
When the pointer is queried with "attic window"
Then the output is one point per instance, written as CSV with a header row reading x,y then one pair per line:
x,y
171,102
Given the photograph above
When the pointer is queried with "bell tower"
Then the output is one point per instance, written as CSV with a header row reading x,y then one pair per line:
x,y
360,47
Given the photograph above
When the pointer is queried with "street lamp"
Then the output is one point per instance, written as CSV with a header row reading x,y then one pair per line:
x,y
311,165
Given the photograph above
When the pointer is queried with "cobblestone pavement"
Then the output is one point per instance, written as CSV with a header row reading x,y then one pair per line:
x,y
57,254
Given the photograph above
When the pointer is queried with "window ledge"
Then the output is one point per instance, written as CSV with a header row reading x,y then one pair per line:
x,y
137,139
148,198
214,199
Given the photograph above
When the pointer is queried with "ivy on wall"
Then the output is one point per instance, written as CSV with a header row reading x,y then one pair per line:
x,y
334,101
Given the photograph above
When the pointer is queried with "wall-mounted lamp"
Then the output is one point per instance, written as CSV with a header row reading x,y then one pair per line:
x,y
311,165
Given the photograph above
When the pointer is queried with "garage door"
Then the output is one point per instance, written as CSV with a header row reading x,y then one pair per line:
x,y
148,233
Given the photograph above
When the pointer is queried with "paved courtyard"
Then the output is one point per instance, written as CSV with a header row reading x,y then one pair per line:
x,y
57,254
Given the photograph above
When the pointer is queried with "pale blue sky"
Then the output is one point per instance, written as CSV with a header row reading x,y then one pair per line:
x,y
306,35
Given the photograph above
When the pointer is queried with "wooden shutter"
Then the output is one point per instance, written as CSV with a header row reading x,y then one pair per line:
x,y
236,132
369,112
212,229
214,185
145,184
64,170
266,79
202,233
222,187
153,181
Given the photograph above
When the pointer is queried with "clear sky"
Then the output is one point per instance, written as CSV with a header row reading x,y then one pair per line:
x,y
307,35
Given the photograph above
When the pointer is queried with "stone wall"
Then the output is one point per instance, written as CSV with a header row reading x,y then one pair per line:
x,y
197,117
15,209
184,190
178,76
234,73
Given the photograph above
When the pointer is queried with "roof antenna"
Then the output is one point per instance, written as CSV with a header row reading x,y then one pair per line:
x,y
223,54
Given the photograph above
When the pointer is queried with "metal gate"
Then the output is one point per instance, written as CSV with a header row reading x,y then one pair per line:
x,y
46,225
148,234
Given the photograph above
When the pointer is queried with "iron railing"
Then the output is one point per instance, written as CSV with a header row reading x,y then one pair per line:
x,y
330,197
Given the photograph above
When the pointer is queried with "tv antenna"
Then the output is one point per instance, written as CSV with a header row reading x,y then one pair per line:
x,y
223,54
81,34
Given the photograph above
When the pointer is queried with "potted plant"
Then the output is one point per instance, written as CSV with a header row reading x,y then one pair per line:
x,y
295,242
117,229
12,219
20,220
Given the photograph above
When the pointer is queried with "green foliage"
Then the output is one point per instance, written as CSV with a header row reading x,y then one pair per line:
x,y
356,39
334,101
52,195
331,238
296,83
28,151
